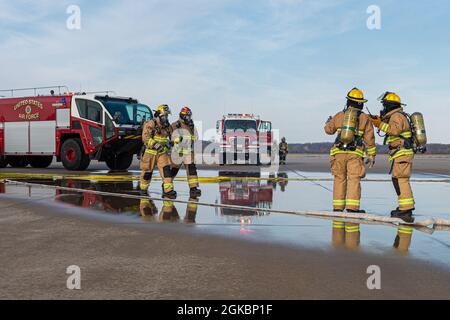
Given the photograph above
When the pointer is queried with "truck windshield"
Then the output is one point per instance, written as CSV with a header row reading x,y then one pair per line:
x,y
240,125
128,113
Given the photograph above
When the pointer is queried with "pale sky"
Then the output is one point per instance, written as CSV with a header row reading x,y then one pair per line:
x,y
291,61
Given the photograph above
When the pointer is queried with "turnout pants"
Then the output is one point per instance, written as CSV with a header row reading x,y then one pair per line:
x,y
401,174
148,164
282,157
348,170
346,234
189,165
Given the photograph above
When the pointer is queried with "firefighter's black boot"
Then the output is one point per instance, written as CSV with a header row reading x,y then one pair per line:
x,y
195,192
143,192
356,211
170,195
338,210
405,215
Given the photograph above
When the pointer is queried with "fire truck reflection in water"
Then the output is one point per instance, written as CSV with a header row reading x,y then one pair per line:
x,y
104,203
256,194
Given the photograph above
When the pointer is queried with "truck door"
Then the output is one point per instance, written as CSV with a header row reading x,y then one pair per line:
x,y
93,127
265,130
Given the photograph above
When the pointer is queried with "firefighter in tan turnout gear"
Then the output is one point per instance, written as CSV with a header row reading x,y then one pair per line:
x,y
402,145
183,153
355,140
156,136
283,150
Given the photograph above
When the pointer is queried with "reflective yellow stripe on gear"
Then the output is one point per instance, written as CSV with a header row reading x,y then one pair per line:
x,y
160,139
168,203
168,185
406,202
358,152
406,135
352,229
338,225
150,142
372,151
190,137
339,203
193,181
151,151
186,152
400,153
384,127
192,206
351,202
144,186
405,230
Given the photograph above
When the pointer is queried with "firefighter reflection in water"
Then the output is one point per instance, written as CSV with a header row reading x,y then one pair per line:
x,y
348,235
403,239
169,212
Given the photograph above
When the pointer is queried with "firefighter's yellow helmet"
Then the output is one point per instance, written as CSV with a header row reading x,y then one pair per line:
x,y
356,95
163,109
392,97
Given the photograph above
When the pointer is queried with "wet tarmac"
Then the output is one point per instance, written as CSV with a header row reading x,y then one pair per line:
x,y
258,225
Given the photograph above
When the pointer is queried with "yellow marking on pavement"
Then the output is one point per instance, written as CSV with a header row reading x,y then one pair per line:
x,y
216,179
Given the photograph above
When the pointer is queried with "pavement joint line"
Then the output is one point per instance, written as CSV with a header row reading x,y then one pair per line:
x,y
362,218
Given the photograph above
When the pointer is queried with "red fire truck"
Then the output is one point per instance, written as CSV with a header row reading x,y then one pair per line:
x,y
73,127
244,138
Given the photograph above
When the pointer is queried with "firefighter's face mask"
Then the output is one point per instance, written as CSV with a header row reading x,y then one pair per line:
x,y
164,119
186,118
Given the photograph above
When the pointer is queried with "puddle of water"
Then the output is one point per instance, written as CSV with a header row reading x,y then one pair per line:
x,y
257,225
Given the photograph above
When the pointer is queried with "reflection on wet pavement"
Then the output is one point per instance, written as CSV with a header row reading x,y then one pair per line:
x,y
260,225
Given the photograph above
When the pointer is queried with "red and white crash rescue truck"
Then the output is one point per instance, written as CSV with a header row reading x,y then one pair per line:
x,y
244,139
74,128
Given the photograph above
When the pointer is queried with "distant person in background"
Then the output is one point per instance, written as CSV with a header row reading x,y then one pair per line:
x,y
283,150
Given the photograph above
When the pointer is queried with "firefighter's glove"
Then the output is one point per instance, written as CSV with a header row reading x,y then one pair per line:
x,y
178,140
370,161
158,147
376,121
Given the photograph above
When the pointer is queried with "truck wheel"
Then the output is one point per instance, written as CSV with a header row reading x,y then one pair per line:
x,y
18,162
41,162
3,162
121,162
73,156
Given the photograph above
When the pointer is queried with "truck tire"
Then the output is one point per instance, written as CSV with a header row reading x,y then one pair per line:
x,y
120,163
73,156
3,162
41,161
18,161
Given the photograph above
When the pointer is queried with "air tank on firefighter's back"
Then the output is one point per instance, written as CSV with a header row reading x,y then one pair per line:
x,y
418,127
349,126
